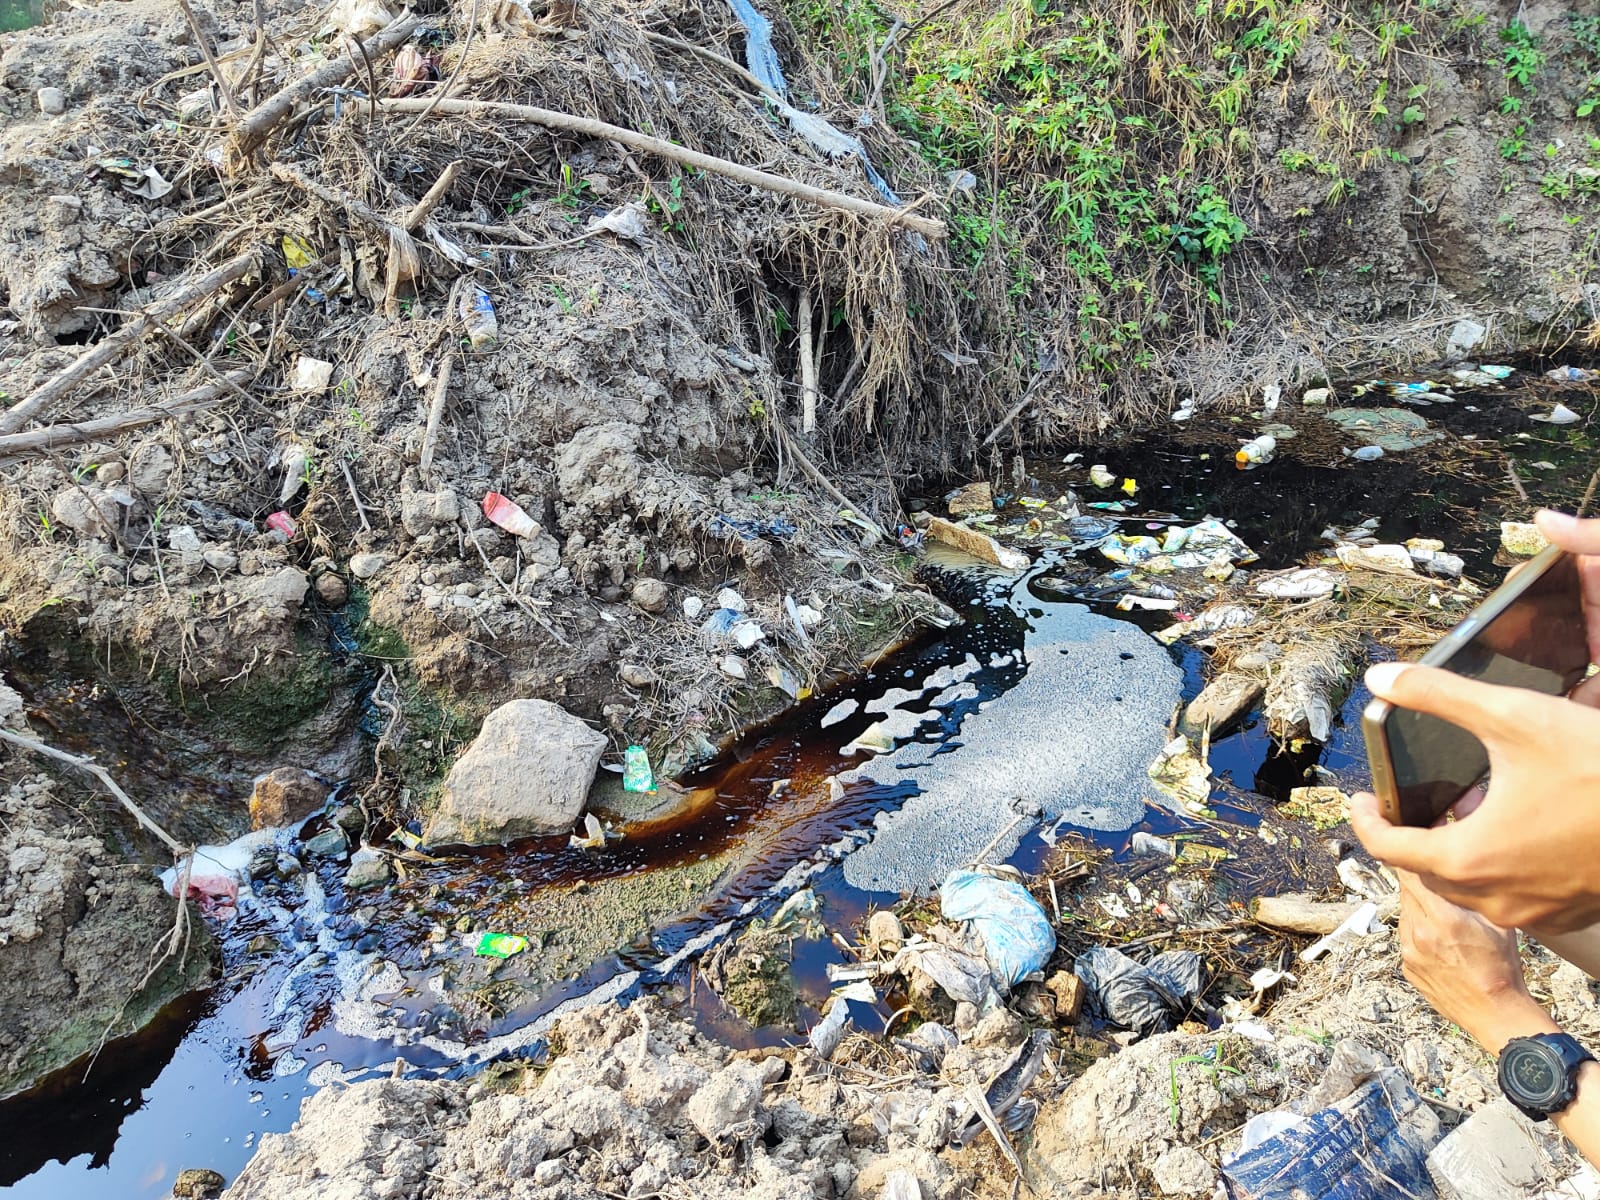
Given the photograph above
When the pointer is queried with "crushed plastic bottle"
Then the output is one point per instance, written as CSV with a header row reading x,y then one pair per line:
x,y
477,318
1256,452
1100,477
636,773
499,945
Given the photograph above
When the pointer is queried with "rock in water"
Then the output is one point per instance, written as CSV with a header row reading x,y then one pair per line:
x,y
197,1183
526,774
1222,705
285,795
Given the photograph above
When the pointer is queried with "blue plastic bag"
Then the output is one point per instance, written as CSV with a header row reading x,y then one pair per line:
x,y
1016,935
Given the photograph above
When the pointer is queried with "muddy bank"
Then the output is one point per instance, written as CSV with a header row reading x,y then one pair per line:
x,y
83,934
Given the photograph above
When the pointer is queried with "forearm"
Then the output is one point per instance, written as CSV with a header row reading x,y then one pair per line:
x,y
1581,947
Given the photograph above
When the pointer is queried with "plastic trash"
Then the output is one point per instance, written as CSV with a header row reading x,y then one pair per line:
x,y
1130,486
1015,933
1100,477
827,1033
1365,453
283,523
500,945
1182,774
311,374
747,633
297,252
593,836
1494,372
1371,1145
1571,375
636,773
1393,429
733,666
1004,1093
1385,559
1304,583
722,526
1256,452
928,1043
510,516
721,622
1559,415
1143,997
296,465
476,311
1129,549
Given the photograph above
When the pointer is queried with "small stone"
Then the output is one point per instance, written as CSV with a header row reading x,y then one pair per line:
x,y
52,103
150,470
725,1105
332,590
330,843
369,868
1069,992
650,595
635,675
728,598
197,1183
885,934
183,539
1001,1029
365,566
220,560
109,473
548,1173
966,1018
285,795
88,511
693,606
350,819
1318,396
421,511
1183,1171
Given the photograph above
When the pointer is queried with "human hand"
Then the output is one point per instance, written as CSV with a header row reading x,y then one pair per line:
x,y
1528,854
1581,539
1468,969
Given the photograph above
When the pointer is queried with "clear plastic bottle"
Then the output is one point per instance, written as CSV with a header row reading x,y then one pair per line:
x,y
478,319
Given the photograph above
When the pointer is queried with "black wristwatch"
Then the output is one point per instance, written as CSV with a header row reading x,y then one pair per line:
x,y
1539,1074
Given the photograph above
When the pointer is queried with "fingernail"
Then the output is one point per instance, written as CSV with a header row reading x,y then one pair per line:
x,y
1381,677
1556,520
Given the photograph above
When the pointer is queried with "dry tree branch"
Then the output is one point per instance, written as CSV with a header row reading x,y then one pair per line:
x,y
110,349
179,850
52,437
660,147
272,112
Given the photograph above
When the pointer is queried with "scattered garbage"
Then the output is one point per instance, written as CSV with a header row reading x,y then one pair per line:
x,y
1521,539
874,739
747,633
1183,775
1314,397
1212,620
1559,415
827,1033
1009,924
282,522
627,220
1389,429
1571,375
1357,924
636,773
1385,559
1305,689
478,320
311,374
1364,453
1149,843
1144,997
296,464
722,525
510,516
733,666
1257,452
499,945
979,545
1302,583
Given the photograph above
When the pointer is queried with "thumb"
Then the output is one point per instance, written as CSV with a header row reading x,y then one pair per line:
x,y
1480,708
1402,847
1573,535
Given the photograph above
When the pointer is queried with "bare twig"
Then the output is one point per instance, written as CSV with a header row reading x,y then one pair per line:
x,y
272,112
808,367
229,102
811,469
53,437
355,496
441,390
86,764
110,349
1516,482
662,148
1016,409
430,200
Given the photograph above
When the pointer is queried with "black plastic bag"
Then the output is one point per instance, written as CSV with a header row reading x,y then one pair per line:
x,y
1145,997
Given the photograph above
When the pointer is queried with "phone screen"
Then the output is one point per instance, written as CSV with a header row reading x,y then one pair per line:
x,y
1537,642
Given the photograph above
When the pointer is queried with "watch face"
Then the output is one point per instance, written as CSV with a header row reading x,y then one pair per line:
x,y
1533,1073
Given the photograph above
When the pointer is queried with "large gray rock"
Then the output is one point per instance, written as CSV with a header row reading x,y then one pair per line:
x,y
1222,705
526,774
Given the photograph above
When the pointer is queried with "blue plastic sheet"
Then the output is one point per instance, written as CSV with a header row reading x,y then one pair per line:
x,y
1016,934
1372,1145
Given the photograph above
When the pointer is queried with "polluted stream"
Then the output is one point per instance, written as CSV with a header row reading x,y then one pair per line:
x,y
1033,719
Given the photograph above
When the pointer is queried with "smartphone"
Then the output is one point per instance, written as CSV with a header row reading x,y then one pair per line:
x,y
1529,632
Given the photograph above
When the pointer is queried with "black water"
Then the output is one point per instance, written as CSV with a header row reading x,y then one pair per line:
x,y
200,1089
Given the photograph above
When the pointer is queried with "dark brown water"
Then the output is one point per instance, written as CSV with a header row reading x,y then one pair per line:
x,y
201,1088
